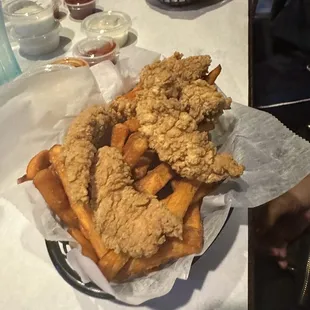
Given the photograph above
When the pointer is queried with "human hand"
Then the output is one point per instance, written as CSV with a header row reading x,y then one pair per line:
x,y
283,220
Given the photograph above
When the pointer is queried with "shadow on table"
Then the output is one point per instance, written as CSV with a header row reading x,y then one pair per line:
x,y
183,290
66,37
192,10
132,38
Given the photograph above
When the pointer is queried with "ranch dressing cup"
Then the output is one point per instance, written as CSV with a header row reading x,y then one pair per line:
x,y
30,17
111,24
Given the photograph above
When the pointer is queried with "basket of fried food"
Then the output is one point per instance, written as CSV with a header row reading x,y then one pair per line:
x,y
128,181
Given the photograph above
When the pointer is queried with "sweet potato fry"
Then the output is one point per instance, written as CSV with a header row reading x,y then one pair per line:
x,y
182,197
134,148
111,264
37,163
50,187
141,168
212,76
87,249
82,211
84,232
132,94
206,126
155,180
133,124
203,190
120,134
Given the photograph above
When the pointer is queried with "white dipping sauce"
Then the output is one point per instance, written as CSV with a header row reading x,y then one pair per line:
x,y
31,19
112,24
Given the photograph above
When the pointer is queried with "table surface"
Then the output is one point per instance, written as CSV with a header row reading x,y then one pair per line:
x,y
219,280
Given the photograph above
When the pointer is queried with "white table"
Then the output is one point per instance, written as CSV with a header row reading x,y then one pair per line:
x,y
219,279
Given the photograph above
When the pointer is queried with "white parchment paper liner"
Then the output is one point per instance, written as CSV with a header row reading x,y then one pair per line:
x,y
35,113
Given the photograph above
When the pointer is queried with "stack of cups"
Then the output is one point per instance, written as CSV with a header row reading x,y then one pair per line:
x,y
33,25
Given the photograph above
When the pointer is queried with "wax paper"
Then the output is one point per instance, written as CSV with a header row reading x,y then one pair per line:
x,y
35,114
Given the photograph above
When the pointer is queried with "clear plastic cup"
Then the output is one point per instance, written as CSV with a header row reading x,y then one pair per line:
x,y
40,44
95,50
43,69
9,67
112,24
29,17
80,9
56,8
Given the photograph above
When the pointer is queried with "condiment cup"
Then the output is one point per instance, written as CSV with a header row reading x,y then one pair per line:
x,y
30,18
72,62
95,50
79,9
40,44
112,24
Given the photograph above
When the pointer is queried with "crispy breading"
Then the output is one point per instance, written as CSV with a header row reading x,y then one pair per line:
x,y
171,249
173,132
81,142
130,222
173,73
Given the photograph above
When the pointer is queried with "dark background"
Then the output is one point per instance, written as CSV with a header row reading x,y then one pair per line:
x,y
279,37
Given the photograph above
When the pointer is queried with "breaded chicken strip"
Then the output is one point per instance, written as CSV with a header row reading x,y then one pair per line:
x,y
174,73
171,126
129,222
81,142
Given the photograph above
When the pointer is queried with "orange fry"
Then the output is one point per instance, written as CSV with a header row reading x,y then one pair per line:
x,y
203,190
134,148
87,249
132,94
120,133
181,198
212,76
155,180
111,264
143,164
82,211
133,124
207,126
50,187
84,232
37,163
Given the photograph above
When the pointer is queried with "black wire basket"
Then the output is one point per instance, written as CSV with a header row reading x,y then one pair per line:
x,y
178,2
58,254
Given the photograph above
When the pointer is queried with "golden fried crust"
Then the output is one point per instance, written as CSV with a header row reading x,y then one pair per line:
x,y
81,143
203,102
173,73
129,222
171,249
174,134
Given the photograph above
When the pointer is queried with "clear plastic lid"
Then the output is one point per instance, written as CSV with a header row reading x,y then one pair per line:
x,y
107,23
26,8
73,62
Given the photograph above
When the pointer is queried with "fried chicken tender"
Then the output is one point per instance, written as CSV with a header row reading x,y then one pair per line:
x,y
129,222
174,73
82,140
171,126
203,102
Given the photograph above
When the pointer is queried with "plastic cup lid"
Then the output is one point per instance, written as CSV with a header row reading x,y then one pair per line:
x,y
107,22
